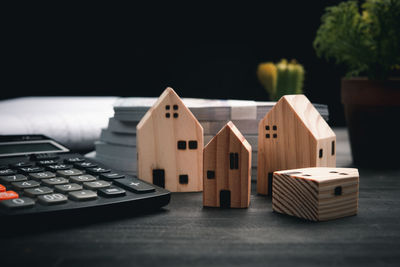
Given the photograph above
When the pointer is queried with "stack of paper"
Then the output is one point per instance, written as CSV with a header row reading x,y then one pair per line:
x,y
117,145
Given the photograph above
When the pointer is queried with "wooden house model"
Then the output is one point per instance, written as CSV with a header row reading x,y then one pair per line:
x,y
292,135
170,145
227,170
316,194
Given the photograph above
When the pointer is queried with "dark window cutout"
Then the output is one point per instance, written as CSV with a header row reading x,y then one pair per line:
x,y
210,174
167,115
274,128
267,127
338,191
321,153
333,172
175,115
342,173
167,107
306,175
275,135
182,145
333,148
159,177
234,161
175,107
267,136
192,144
183,179
225,199
270,178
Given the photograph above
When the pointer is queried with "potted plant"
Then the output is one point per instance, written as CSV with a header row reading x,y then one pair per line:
x,y
367,40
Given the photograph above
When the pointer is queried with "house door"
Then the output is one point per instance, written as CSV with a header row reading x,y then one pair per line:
x,y
159,177
225,199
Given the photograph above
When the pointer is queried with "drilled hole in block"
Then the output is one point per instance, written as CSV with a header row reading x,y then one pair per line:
x,y
167,115
210,174
306,175
343,173
338,191
175,107
183,179
333,172
267,136
192,144
167,107
182,145
175,115
275,135
267,127
274,127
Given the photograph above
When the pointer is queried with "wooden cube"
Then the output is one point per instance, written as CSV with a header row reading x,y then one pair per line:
x,y
316,194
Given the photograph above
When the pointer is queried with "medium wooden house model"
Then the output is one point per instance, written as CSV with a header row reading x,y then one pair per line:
x,y
170,145
227,170
292,135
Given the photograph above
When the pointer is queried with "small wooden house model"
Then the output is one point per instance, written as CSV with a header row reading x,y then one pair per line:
x,y
170,145
316,194
292,135
227,170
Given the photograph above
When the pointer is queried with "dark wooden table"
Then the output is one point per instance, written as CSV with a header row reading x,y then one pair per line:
x,y
186,234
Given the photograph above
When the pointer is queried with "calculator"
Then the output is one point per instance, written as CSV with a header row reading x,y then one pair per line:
x,y
40,175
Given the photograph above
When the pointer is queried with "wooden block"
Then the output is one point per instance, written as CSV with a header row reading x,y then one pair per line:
x,y
227,170
292,135
170,145
316,194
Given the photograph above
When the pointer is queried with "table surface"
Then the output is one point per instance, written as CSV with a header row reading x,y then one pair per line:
x,y
184,233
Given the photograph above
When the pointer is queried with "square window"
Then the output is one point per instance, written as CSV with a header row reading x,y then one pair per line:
x,y
267,136
267,127
233,161
274,128
167,115
167,107
175,115
182,144
175,107
183,179
192,144
210,174
338,191
275,135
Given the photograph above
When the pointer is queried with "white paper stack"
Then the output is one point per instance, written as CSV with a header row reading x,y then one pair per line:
x,y
117,145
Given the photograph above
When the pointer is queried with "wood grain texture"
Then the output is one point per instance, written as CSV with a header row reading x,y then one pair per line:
x,y
316,194
219,174
157,144
290,136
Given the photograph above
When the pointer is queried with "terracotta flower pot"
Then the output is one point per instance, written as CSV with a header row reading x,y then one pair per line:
x,y
372,110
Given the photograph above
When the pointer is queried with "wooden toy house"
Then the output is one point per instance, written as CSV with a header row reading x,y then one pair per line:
x,y
292,135
170,145
227,170
316,194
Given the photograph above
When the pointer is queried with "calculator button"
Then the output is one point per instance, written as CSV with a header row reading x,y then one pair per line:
x,y
44,156
111,176
7,172
42,175
84,165
96,185
34,192
73,160
2,188
18,203
8,195
55,181
31,169
25,184
58,167
13,178
21,164
82,195
111,192
97,170
52,199
134,185
82,178
47,162
65,188
67,173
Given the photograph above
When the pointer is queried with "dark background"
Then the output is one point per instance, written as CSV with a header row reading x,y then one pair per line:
x,y
201,50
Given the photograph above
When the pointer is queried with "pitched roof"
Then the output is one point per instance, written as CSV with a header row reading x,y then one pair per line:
x,y
232,128
308,115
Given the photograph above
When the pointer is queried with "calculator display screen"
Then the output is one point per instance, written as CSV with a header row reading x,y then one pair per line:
x,y
28,148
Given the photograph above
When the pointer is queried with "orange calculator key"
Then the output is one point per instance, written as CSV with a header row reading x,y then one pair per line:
x,y
8,195
2,188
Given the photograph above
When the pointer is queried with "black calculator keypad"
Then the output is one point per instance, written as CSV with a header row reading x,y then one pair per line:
x,y
96,184
21,164
58,167
25,184
18,203
65,188
73,160
42,175
97,170
34,192
111,176
111,191
28,170
82,178
85,165
68,173
47,162
52,199
83,195
55,181
13,178
7,172
134,185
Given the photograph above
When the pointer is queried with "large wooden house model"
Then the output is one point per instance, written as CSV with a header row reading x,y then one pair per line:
x,y
170,145
293,135
227,170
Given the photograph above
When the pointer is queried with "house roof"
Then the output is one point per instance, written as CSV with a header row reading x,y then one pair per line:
x,y
308,115
233,129
168,92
